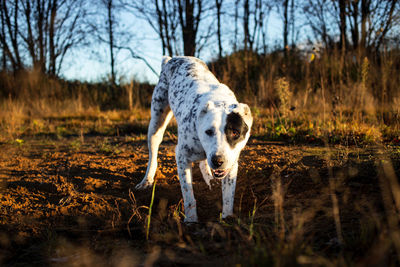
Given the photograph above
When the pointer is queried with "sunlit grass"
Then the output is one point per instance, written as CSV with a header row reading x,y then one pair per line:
x,y
299,126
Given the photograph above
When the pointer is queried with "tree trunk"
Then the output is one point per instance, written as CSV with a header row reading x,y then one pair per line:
x,y
387,25
111,39
218,4
189,36
52,52
167,24
285,26
15,37
236,25
365,10
342,26
160,25
354,32
12,50
29,38
246,17
292,24
189,24
40,64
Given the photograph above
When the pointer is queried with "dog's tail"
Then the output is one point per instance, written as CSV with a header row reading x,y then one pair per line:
x,y
164,61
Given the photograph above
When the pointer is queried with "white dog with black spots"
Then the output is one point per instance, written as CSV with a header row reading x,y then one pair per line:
x,y
213,128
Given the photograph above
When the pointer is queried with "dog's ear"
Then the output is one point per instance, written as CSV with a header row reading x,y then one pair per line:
x,y
164,61
245,112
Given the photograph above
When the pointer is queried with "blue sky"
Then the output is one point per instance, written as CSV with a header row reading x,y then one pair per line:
x,y
92,63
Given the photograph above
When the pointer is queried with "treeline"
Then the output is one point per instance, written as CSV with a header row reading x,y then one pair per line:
x,y
323,44
39,34
35,91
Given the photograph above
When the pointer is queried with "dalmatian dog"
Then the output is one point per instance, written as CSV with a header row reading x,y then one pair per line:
x,y
213,128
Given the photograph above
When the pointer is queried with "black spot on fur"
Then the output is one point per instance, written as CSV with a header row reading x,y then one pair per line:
x,y
197,99
235,129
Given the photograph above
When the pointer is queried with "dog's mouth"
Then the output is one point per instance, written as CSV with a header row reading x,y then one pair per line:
x,y
219,173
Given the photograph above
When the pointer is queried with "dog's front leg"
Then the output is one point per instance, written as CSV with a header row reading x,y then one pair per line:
x,y
185,179
206,172
228,191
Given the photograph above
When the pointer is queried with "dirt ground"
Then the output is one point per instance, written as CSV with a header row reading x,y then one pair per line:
x,y
71,202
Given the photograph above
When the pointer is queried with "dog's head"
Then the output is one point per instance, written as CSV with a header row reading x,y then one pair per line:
x,y
223,133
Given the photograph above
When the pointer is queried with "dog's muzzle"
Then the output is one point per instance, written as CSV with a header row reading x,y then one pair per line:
x,y
219,173
217,162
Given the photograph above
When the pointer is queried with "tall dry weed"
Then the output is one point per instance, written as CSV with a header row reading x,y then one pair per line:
x,y
266,89
284,93
12,116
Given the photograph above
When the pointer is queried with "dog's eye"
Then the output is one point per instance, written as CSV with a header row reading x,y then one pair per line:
x,y
209,132
235,133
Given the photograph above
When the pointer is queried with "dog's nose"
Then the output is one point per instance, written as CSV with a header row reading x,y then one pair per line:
x,y
217,161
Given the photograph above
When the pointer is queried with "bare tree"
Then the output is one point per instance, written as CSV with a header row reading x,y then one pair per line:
x,y
177,23
370,21
162,16
246,21
362,24
40,33
254,14
387,17
286,9
9,17
114,35
342,24
236,16
190,15
267,7
285,4
110,27
218,6
353,18
65,30
319,18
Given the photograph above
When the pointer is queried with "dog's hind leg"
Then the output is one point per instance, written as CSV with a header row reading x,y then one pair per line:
x,y
206,172
161,114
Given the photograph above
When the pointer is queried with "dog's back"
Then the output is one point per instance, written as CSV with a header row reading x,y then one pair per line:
x,y
190,83
187,69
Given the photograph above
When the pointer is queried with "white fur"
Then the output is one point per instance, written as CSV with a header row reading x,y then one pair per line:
x,y
199,103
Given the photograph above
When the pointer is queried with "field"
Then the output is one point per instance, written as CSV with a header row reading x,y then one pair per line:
x,y
318,182
303,196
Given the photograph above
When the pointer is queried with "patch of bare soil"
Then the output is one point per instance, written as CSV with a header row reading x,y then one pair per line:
x,y
64,202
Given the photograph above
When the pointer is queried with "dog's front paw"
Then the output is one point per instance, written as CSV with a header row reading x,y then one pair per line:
x,y
231,219
143,185
190,221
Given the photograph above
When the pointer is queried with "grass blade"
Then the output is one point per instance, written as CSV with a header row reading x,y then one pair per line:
x,y
150,209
